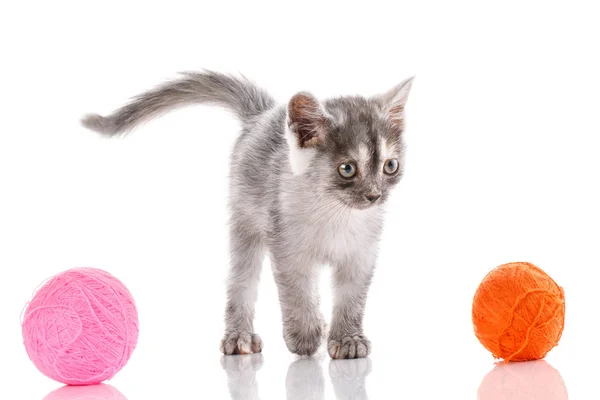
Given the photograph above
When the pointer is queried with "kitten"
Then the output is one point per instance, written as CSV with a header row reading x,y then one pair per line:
x,y
308,184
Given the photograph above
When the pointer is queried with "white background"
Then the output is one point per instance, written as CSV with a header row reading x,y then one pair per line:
x,y
503,137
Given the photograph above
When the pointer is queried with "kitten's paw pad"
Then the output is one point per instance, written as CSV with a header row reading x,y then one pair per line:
x,y
357,346
241,343
304,342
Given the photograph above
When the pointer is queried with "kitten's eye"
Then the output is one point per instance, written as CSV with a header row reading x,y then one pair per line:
x,y
390,166
347,170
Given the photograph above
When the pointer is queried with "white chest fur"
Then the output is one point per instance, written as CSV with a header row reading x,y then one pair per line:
x,y
351,235
323,230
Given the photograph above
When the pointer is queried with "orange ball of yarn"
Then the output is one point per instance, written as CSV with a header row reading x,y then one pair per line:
x,y
519,312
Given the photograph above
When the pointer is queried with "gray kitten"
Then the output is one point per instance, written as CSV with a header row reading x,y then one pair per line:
x,y
308,183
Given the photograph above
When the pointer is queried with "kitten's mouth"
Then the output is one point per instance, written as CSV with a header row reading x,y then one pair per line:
x,y
363,205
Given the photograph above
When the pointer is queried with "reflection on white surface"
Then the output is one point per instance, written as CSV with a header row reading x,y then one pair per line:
x,y
534,380
94,392
304,379
348,378
241,375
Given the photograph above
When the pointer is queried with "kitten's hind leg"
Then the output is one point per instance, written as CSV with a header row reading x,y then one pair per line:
x,y
247,255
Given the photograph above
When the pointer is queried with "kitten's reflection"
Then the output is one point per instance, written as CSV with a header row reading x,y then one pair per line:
x,y
304,379
534,380
241,375
94,392
348,378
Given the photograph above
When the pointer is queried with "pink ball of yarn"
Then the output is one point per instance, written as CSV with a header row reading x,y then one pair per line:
x,y
81,327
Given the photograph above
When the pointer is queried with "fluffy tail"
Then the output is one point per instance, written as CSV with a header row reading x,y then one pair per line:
x,y
237,94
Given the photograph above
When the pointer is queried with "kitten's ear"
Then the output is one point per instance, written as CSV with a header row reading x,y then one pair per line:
x,y
394,101
307,120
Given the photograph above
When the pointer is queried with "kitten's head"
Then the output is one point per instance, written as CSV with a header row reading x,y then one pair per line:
x,y
351,147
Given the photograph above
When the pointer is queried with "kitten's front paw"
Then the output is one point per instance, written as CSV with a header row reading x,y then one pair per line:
x,y
304,340
356,346
235,342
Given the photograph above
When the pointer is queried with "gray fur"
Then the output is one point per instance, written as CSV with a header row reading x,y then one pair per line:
x,y
301,218
239,95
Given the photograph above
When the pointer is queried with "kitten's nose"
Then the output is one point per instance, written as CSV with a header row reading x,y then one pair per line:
x,y
373,197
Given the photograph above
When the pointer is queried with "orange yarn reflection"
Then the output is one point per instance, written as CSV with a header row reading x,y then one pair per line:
x,y
533,380
94,392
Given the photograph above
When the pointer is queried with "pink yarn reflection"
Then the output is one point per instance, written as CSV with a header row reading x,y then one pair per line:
x,y
93,392
533,380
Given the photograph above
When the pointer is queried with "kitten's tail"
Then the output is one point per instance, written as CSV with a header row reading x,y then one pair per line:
x,y
237,94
